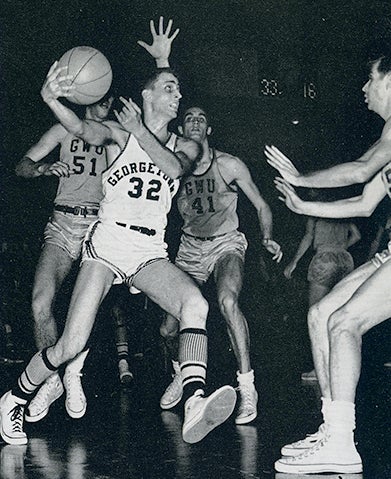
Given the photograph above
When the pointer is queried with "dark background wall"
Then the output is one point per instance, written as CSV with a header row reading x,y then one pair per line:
x,y
248,61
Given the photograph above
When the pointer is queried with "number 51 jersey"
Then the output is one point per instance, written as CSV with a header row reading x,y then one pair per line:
x,y
136,191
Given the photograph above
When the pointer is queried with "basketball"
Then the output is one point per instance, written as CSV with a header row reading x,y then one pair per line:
x,y
91,73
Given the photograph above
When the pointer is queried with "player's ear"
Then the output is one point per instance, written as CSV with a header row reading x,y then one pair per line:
x,y
209,130
146,94
180,129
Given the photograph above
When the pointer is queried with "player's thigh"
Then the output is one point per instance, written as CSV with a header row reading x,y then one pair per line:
x,y
228,274
168,286
53,266
91,287
370,303
344,290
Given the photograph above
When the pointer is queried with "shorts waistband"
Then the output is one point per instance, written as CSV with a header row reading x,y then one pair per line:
x,y
205,238
141,229
77,210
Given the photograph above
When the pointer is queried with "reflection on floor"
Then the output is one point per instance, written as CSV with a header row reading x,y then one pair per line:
x,y
125,435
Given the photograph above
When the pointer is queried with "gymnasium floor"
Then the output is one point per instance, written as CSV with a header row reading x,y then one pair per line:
x,y
125,435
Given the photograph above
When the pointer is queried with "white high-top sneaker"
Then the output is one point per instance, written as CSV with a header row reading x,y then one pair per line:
x,y
75,402
247,410
174,391
11,419
49,392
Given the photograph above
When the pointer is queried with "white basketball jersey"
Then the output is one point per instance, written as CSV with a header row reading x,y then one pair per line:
x,y
136,191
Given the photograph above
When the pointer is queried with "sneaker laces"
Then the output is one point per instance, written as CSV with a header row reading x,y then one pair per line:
x,y
16,416
74,387
312,450
247,398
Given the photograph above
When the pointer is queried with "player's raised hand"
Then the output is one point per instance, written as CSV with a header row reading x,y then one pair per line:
x,y
130,117
282,163
160,48
289,196
56,84
274,248
288,271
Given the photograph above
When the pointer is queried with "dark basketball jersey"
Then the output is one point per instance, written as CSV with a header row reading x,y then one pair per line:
x,y
207,203
86,163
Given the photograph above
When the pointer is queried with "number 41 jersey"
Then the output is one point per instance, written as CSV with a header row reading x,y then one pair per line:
x,y
136,191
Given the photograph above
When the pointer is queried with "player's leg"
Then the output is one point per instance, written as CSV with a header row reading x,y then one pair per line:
x,y
368,306
121,338
228,273
53,266
175,292
92,285
169,330
318,318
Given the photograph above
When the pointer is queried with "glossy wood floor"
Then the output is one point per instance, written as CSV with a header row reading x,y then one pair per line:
x,y
124,434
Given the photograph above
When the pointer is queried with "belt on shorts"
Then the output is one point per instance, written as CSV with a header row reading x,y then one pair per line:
x,y
76,210
205,238
141,229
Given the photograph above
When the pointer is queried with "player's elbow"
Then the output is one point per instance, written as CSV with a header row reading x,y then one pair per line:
x,y
361,175
366,209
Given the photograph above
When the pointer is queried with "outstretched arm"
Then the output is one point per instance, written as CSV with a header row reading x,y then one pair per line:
x,y
362,205
160,48
32,164
241,175
304,244
173,164
344,174
54,87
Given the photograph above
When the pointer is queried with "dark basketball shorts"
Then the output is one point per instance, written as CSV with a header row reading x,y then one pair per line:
x,y
199,257
327,268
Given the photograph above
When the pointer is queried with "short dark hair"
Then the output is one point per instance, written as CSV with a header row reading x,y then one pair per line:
x,y
384,60
199,105
149,82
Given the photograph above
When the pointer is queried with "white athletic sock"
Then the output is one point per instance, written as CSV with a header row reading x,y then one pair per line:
x,y
245,378
325,408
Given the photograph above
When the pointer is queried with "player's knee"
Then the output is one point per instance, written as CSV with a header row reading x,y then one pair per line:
x,y
194,311
228,303
169,328
344,323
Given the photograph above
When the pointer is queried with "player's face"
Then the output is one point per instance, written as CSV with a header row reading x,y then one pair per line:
x,y
99,111
377,90
165,95
195,124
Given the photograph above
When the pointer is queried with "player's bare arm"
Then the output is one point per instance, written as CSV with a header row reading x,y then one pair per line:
x,y
160,48
344,174
362,205
172,164
33,164
54,87
234,170
303,247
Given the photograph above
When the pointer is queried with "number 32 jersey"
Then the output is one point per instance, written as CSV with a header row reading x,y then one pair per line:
x,y
86,163
136,191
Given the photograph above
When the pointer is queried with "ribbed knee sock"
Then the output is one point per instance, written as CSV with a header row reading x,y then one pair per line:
x,y
193,356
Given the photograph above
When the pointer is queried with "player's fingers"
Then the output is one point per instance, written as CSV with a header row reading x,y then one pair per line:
x,y
143,44
52,68
161,25
174,35
152,28
168,29
279,153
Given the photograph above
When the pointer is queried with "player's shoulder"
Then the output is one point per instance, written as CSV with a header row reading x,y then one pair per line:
x,y
227,161
188,146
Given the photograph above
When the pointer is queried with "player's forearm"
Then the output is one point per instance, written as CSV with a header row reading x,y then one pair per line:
x,y
27,168
305,243
265,218
163,158
337,209
70,121
340,175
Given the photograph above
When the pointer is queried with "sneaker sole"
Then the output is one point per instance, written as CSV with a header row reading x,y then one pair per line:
x,y
247,419
76,414
44,413
172,404
218,408
315,468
